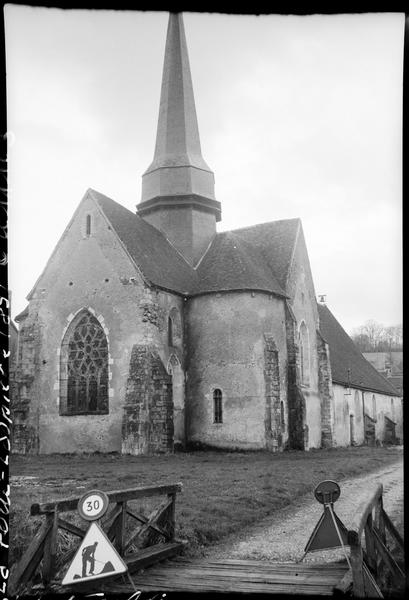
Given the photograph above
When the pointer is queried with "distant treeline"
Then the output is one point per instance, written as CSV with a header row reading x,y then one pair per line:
x,y
374,337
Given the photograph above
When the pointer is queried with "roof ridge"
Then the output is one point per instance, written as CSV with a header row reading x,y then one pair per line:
x,y
261,224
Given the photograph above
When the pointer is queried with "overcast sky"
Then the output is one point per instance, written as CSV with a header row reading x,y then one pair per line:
x,y
298,117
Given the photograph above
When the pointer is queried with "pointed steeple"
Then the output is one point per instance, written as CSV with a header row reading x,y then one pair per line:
x,y
178,175
177,138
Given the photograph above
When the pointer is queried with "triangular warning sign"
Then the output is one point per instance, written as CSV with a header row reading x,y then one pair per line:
x,y
325,534
95,558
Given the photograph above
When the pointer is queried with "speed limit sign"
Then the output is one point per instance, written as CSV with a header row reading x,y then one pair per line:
x,y
93,505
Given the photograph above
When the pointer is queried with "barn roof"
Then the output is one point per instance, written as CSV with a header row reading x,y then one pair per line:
x,y
345,355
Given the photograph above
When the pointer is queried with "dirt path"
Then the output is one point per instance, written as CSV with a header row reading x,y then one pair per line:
x,y
282,537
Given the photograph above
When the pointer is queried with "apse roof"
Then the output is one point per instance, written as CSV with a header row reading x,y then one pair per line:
x,y
231,263
276,241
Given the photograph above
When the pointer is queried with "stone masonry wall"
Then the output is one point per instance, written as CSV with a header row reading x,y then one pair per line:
x,y
24,430
296,401
226,351
90,272
325,390
147,425
274,428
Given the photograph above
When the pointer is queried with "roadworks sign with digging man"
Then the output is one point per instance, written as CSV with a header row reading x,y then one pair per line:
x,y
94,559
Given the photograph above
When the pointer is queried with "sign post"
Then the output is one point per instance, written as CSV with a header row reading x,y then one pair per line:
x,y
96,557
329,532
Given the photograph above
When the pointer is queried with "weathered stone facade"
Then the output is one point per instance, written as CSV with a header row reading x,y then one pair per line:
x,y
275,412
325,389
147,426
226,350
296,400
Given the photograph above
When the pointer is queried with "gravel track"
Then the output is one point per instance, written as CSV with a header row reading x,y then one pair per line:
x,y
283,536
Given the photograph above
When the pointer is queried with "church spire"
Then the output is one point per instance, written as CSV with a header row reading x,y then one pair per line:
x,y
178,176
177,138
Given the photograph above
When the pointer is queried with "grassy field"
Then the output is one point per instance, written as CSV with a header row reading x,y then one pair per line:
x,y
222,491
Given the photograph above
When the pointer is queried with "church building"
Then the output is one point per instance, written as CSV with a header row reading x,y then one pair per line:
x,y
149,331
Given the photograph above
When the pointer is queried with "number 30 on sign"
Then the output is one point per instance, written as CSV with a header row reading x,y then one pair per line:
x,y
93,505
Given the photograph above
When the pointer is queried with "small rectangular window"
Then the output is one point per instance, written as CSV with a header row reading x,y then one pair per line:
x,y
218,406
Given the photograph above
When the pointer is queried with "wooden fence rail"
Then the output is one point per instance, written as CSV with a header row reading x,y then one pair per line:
x,y
370,556
147,539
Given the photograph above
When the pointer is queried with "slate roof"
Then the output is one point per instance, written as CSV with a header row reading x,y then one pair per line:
x,y
275,241
157,259
233,264
344,354
244,259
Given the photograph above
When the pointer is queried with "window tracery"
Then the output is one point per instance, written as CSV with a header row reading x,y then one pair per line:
x,y
84,368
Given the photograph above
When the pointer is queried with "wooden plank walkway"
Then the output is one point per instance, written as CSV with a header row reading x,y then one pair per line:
x,y
237,576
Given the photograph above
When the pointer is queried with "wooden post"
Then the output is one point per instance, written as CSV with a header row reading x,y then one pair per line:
x,y
119,528
358,585
172,516
370,544
381,527
30,560
50,547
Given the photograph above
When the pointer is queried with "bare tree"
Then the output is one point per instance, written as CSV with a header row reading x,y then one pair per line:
x,y
374,337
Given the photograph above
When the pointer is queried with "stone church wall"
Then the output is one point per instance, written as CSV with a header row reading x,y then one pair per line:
x,y
300,288
227,335
326,392
93,273
147,426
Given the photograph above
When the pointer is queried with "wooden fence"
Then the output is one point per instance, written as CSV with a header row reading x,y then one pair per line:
x,y
371,559
141,542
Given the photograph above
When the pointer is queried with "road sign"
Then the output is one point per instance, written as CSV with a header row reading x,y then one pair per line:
x,y
329,532
93,505
327,492
95,558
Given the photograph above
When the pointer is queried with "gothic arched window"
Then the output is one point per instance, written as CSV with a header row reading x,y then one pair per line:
x,y
84,368
218,406
170,331
373,406
304,354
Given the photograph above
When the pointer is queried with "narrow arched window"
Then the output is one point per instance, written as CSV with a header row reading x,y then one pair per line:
x,y
88,225
218,406
84,368
170,331
373,406
304,354
282,415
